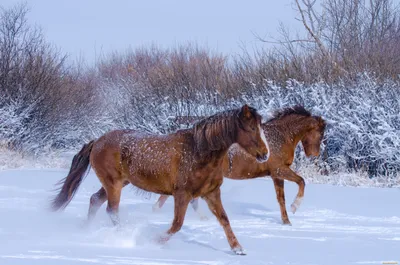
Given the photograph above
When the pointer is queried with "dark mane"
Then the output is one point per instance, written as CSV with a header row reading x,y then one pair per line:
x,y
219,131
216,132
297,109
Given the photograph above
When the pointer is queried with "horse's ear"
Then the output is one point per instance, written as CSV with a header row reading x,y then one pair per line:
x,y
245,112
321,122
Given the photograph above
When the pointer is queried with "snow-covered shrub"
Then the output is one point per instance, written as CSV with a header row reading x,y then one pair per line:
x,y
363,132
42,99
45,105
31,73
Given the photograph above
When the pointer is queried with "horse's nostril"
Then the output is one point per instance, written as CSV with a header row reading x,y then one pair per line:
x,y
262,158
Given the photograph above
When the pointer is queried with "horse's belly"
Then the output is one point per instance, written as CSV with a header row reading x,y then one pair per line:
x,y
151,181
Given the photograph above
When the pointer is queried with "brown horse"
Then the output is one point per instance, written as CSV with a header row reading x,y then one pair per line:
x,y
186,164
284,131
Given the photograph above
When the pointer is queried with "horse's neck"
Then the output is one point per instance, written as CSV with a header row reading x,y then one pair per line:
x,y
299,127
206,157
296,127
211,156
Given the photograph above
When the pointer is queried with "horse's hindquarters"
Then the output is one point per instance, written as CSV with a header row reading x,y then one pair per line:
x,y
105,158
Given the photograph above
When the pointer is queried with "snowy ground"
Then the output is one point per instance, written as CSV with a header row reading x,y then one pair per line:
x,y
334,225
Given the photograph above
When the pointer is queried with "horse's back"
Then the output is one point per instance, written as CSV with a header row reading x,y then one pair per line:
x,y
148,161
151,162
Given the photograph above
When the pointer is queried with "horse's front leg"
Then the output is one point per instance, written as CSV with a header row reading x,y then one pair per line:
x,y
288,174
213,200
181,202
280,196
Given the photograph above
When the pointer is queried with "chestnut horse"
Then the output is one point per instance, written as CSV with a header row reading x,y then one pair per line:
x,y
284,131
185,164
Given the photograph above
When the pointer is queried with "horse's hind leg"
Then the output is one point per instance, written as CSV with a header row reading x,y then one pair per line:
x,y
113,199
280,196
96,201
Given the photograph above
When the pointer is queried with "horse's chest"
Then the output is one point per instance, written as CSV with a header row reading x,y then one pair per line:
x,y
207,180
289,157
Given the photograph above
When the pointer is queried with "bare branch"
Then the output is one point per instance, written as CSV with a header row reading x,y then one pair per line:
x,y
289,41
317,40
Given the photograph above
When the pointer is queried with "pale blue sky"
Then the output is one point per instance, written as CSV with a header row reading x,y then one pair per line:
x,y
87,27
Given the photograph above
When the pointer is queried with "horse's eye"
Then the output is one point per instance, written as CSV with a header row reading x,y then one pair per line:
x,y
253,129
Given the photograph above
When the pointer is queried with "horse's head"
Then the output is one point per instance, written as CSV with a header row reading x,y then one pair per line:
x,y
312,139
250,135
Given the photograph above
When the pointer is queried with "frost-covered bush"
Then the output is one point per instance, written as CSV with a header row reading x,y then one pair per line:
x,y
363,132
45,105
31,78
126,104
10,123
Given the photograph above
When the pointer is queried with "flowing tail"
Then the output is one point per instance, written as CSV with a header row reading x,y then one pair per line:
x,y
70,184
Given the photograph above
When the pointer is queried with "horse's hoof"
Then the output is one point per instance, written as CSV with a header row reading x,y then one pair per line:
x,y
239,251
293,207
286,222
296,204
163,239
